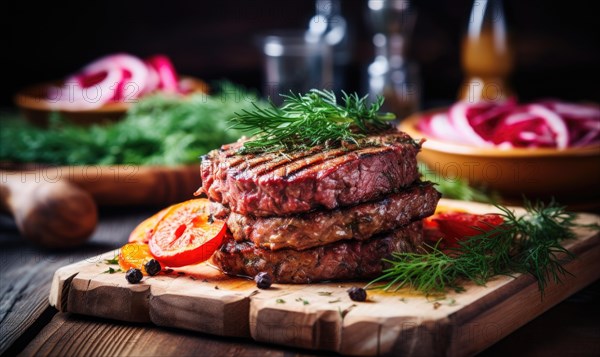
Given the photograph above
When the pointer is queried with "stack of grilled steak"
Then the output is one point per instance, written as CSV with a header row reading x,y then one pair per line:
x,y
319,214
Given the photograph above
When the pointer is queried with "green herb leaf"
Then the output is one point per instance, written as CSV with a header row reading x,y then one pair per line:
x,y
280,301
112,270
456,188
306,120
303,301
114,260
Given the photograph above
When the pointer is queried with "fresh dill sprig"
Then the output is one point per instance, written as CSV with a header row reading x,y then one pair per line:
x,y
306,120
523,244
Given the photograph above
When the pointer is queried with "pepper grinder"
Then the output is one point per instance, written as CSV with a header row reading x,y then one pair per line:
x,y
391,74
486,56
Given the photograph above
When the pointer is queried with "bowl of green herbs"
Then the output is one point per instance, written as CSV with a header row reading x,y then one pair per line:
x,y
158,131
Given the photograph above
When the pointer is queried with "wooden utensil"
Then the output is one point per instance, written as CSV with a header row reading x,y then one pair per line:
x,y
52,214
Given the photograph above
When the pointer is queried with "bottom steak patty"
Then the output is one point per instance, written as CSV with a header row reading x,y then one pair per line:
x,y
324,227
337,261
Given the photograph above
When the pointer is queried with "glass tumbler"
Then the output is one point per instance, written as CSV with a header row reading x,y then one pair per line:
x,y
294,61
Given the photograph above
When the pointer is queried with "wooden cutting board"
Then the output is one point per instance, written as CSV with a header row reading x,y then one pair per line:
x,y
321,316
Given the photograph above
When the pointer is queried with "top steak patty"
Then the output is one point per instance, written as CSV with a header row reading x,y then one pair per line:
x,y
276,184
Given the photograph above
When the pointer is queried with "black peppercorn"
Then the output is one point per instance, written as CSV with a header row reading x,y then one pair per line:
x,y
133,276
263,280
152,267
357,294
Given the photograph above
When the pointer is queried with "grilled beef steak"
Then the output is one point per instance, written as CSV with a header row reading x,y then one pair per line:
x,y
351,259
275,184
323,227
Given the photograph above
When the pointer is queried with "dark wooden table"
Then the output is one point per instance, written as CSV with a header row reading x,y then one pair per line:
x,y
29,326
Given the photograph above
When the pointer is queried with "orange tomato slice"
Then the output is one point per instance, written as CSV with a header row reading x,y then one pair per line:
x,y
186,234
134,255
144,230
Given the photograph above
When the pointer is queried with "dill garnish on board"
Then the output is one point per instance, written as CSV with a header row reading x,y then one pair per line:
x,y
523,244
314,118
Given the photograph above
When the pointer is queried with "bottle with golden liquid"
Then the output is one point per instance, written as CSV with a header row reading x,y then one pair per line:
x,y
486,54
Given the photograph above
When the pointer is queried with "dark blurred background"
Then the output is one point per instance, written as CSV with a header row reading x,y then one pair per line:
x,y
556,43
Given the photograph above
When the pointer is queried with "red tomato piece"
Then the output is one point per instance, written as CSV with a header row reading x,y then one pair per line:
x,y
453,226
186,234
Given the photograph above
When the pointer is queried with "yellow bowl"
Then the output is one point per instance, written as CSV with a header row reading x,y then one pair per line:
x,y
36,109
572,176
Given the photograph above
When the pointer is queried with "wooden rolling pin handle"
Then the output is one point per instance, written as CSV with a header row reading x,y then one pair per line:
x,y
51,214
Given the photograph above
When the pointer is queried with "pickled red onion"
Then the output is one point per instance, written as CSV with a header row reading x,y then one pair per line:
x,y
166,72
505,125
114,78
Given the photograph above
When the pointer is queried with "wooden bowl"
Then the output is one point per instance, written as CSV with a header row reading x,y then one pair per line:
x,y
570,175
36,109
117,185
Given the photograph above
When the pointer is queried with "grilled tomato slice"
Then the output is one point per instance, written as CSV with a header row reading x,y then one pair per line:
x,y
450,227
186,234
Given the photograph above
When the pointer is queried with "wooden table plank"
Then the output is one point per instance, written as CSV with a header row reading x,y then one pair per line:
x,y
26,271
72,335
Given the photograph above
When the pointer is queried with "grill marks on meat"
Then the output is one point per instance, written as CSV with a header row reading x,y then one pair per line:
x,y
318,228
337,261
273,184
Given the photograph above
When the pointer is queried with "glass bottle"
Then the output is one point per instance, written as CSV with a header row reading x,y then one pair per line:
x,y
486,54
391,74
329,26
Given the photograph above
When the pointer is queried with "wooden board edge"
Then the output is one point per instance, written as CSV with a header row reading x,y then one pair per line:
x,y
227,316
60,286
478,326
315,330
113,302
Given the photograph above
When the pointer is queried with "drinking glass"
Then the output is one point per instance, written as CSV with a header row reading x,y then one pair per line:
x,y
294,61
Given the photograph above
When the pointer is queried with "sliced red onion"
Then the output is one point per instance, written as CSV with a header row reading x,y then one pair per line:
x,y
574,111
152,81
119,77
138,72
457,118
166,72
554,122
548,123
85,92
524,130
438,126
